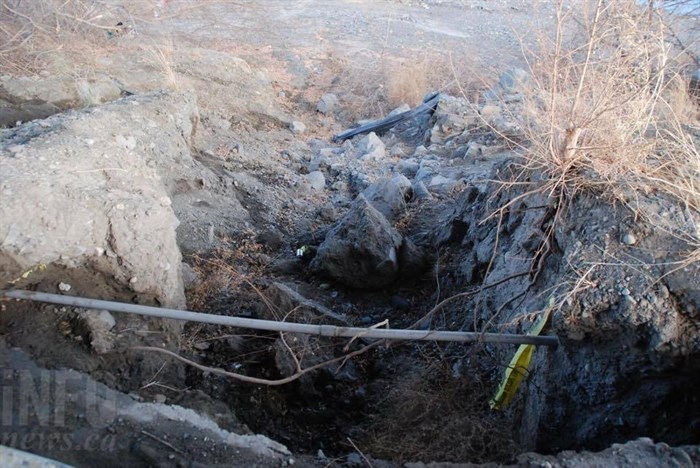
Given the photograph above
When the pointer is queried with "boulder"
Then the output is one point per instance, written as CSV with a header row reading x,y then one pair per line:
x,y
388,196
86,197
362,250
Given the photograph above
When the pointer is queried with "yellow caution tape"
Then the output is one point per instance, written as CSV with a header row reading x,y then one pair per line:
x,y
518,368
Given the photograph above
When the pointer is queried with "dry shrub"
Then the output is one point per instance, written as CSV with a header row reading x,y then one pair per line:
x,y
430,415
162,57
608,108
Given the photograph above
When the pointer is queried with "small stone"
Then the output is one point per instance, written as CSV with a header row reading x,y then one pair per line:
x,y
319,162
336,169
629,239
316,180
400,303
354,459
489,111
320,454
14,149
202,345
327,104
399,110
65,287
372,147
297,127
474,150
133,280
625,292
160,398
408,167
99,322
271,237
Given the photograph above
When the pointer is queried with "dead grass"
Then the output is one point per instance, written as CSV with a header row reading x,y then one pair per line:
x,y
51,34
59,36
375,83
430,415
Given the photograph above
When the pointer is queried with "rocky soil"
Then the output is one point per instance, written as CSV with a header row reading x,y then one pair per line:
x,y
213,184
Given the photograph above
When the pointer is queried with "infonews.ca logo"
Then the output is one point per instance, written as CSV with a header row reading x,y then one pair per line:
x,y
45,411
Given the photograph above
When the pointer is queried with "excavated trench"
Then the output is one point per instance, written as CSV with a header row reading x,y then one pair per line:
x,y
628,361
624,369
431,401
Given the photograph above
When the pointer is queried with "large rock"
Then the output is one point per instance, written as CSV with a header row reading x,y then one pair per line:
x,y
388,196
86,194
362,250
642,452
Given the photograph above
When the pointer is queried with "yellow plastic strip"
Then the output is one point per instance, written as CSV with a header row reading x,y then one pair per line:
x,y
518,368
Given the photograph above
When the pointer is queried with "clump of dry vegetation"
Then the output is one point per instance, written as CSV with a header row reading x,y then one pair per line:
x,y
374,84
608,107
50,34
430,415
608,111
74,35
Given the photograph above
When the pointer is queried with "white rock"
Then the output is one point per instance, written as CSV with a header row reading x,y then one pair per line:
x,y
629,239
297,127
65,287
99,322
316,180
14,149
371,147
400,110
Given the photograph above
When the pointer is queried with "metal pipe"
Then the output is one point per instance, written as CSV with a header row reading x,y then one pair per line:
x,y
270,325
